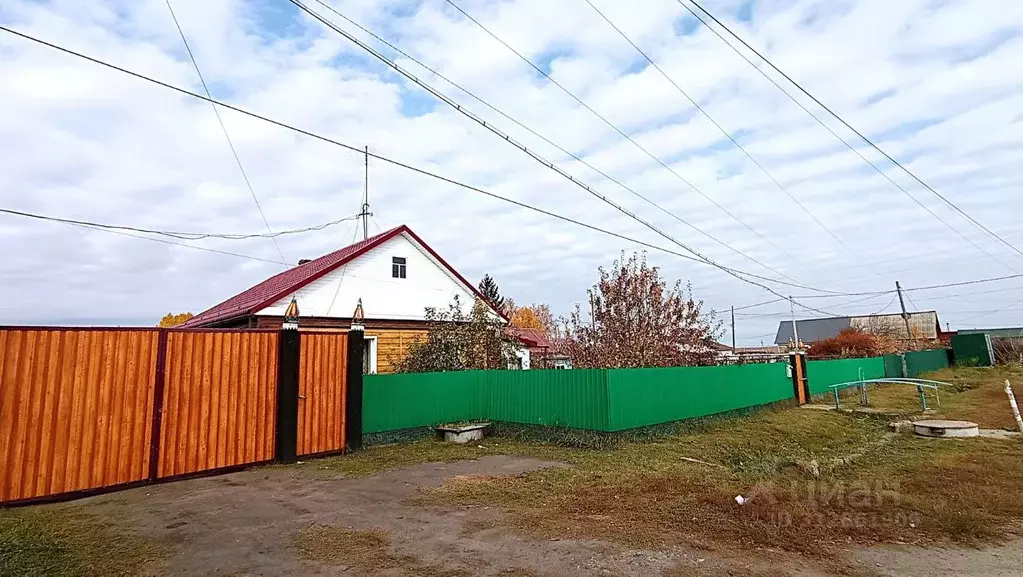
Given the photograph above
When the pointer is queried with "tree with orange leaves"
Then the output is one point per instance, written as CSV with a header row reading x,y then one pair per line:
x,y
535,316
172,320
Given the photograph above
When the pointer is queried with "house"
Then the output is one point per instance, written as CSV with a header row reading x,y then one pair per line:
x,y
923,325
535,350
769,354
394,274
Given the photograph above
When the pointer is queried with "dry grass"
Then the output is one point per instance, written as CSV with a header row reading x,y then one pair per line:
x,y
818,482
977,394
367,551
69,541
388,457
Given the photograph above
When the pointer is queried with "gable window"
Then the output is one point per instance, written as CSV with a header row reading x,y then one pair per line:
x,y
398,267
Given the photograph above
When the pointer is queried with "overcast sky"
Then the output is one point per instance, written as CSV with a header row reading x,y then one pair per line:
x,y
937,84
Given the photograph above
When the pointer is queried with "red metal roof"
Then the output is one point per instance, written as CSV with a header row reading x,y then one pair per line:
x,y
280,285
532,338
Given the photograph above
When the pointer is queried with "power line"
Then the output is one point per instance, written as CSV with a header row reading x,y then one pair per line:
x,y
532,154
715,123
924,288
165,241
915,307
847,125
223,128
618,130
772,301
991,312
885,307
739,274
560,148
964,283
956,296
468,114
344,270
175,234
786,313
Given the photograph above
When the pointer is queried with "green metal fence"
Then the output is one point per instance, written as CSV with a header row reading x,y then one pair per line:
x,y
823,374
973,349
643,397
920,362
607,400
576,398
602,400
403,401
892,366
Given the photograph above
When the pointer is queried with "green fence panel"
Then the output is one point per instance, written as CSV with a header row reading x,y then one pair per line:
x,y
823,374
920,362
577,398
973,349
643,397
403,401
892,366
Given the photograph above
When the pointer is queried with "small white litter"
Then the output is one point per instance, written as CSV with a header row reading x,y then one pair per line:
x,y
740,499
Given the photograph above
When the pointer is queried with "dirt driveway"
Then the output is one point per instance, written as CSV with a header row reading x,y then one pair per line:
x,y
252,523
308,522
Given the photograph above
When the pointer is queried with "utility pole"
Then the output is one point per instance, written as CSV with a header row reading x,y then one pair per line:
x,y
734,328
905,315
909,335
365,214
795,331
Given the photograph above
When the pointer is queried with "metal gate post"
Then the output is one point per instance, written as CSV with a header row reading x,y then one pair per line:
x,y
353,386
288,355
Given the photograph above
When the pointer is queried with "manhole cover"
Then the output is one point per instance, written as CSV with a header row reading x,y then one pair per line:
x,y
944,428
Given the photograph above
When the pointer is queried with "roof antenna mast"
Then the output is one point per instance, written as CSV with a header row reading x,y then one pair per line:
x,y
365,214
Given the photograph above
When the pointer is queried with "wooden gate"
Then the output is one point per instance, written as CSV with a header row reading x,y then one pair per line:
x,y
75,409
88,409
219,400
321,393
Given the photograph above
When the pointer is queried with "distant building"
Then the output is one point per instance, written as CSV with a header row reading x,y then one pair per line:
x,y
532,349
1005,333
727,355
923,325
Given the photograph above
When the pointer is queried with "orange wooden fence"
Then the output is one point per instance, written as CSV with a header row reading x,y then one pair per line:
x,y
321,388
75,409
219,400
80,408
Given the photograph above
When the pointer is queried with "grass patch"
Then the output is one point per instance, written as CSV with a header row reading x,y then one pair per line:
x,y
817,482
66,541
976,394
388,457
367,551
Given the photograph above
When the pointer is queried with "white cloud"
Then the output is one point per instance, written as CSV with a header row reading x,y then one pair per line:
x,y
935,83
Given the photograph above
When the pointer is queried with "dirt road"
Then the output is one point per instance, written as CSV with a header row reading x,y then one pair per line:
x,y
306,522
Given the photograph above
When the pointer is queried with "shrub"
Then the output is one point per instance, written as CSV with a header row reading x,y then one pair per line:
x,y
853,343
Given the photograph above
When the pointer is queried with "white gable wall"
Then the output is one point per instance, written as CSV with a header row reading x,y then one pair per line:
x,y
427,284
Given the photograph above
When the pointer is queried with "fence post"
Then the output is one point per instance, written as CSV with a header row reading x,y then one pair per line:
x,y
800,380
158,388
353,380
288,354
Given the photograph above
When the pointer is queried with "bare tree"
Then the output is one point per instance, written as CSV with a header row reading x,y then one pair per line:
x,y
1008,350
638,321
